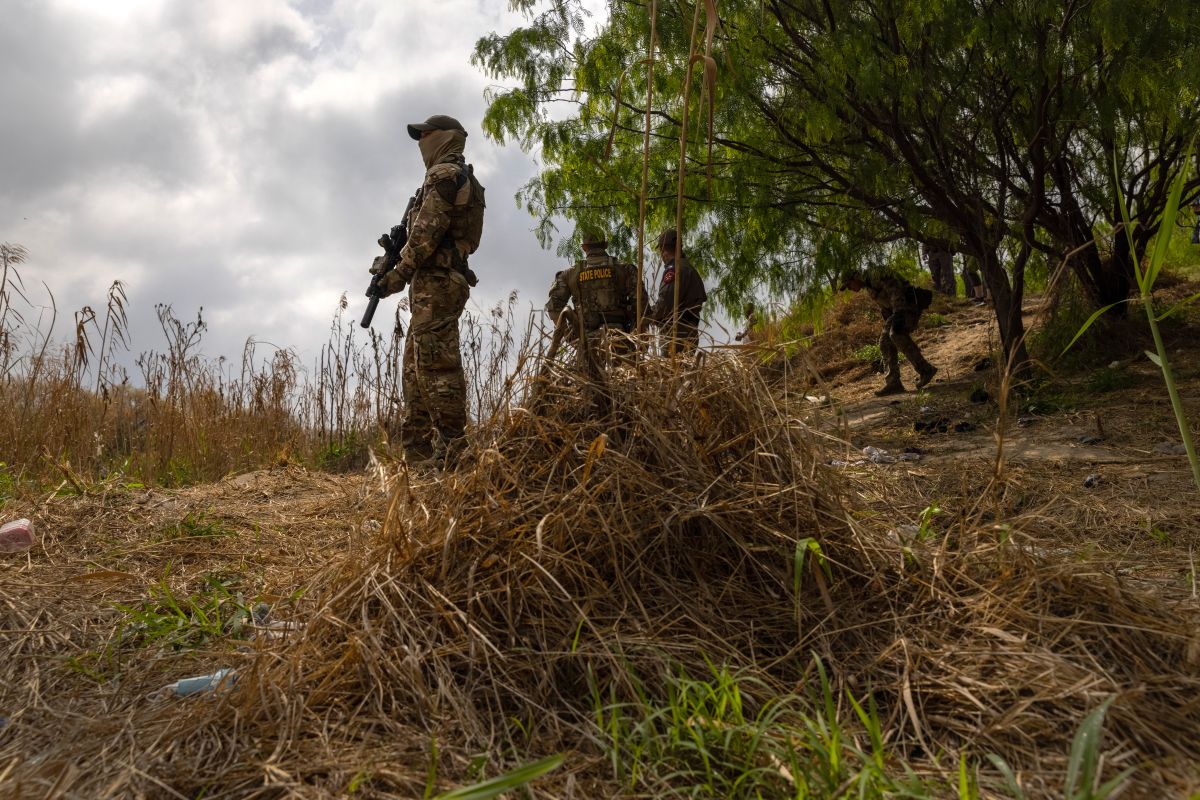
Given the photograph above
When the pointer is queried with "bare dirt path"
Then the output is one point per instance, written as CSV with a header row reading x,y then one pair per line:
x,y
1090,458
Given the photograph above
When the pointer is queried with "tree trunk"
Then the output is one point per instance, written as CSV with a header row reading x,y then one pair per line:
x,y
1007,302
1117,279
1106,281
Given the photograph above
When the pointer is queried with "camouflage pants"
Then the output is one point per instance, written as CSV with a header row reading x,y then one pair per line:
x,y
941,270
435,390
897,339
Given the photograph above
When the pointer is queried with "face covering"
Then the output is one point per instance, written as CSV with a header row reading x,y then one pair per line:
x,y
438,146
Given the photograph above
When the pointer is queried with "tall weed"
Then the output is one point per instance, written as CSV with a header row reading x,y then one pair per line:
x,y
1147,275
184,418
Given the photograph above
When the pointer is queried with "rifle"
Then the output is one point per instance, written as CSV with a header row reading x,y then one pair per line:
x,y
392,243
562,327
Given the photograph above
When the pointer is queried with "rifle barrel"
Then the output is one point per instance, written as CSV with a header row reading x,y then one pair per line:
x,y
370,312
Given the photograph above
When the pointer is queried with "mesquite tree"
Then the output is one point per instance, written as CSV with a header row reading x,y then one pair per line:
x,y
836,128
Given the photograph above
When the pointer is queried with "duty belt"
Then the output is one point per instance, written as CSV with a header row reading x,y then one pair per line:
x,y
594,319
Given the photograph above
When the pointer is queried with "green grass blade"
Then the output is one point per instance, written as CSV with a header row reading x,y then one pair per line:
x,y
1009,778
1163,240
966,786
798,566
1171,311
1090,320
432,771
506,782
1085,754
1137,270
1109,787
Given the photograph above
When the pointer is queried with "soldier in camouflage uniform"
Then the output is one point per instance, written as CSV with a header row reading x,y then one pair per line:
x,y
603,289
897,302
443,230
691,299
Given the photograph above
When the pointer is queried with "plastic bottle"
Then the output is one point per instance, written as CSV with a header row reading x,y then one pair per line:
x,y
221,679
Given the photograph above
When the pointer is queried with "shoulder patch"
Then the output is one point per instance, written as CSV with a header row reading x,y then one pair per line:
x,y
442,172
447,190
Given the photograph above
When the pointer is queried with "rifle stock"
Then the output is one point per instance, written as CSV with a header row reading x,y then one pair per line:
x,y
561,326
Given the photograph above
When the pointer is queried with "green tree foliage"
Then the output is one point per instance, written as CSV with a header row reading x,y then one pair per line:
x,y
838,131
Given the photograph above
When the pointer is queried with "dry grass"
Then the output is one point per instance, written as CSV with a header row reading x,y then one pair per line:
x,y
627,529
73,411
599,538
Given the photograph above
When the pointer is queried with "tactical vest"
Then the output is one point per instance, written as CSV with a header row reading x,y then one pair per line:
x,y
601,282
465,227
466,219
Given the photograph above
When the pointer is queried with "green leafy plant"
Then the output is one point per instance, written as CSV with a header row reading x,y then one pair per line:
x,y
196,526
1147,275
868,353
702,739
96,666
169,619
925,521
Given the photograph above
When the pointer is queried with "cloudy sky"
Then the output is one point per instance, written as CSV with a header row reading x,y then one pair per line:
x,y
240,155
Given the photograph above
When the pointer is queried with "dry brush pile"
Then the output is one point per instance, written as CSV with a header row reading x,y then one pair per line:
x,y
604,536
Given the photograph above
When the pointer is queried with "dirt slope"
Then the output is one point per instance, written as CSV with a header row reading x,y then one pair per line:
x,y
1093,451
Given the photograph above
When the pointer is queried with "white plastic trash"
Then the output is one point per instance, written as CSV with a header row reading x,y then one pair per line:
x,y
221,679
16,536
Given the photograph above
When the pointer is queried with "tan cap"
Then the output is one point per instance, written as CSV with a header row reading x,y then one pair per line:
x,y
438,122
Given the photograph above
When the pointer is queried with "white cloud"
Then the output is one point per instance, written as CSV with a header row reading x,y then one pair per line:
x,y
105,96
235,24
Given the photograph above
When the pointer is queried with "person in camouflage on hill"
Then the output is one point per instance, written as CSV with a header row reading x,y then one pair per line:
x,y
603,289
939,260
900,303
691,298
444,226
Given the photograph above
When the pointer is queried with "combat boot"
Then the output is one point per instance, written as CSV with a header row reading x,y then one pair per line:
x,y
926,375
890,388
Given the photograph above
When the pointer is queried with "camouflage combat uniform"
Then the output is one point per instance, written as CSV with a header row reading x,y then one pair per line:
x,y
897,303
434,264
691,299
603,289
